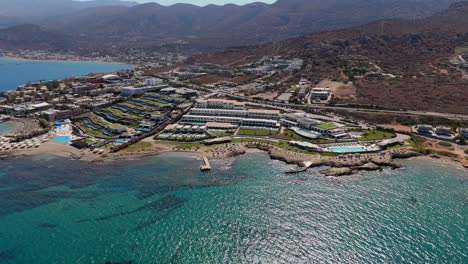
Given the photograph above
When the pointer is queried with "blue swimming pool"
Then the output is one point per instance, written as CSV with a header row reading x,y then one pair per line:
x,y
59,124
120,140
350,149
62,139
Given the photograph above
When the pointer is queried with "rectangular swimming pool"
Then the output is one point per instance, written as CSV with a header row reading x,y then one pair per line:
x,y
350,149
62,139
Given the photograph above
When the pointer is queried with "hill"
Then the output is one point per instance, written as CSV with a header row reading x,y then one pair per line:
x,y
29,36
34,10
416,51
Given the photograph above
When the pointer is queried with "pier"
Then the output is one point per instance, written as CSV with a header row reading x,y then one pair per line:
x,y
206,166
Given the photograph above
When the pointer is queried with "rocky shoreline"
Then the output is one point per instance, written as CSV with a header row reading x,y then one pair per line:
x,y
335,166
342,165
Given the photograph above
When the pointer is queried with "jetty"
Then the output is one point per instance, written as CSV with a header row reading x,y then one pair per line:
x,y
206,166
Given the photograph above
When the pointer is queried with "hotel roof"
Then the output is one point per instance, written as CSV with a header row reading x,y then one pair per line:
x,y
225,101
218,124
264,111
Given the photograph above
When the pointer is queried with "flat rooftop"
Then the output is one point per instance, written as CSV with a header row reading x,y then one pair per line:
x,y
218,124
327,126
264,111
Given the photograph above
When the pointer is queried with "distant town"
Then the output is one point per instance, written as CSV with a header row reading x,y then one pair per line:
x,y
214,111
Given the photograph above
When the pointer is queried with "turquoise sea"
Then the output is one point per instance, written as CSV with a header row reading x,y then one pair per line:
x,y
247,210
15,72
6,127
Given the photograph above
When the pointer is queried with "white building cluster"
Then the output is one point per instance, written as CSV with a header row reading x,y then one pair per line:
x,y
228,113
306,123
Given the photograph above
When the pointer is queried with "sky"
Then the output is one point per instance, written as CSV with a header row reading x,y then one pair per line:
x,y
204,2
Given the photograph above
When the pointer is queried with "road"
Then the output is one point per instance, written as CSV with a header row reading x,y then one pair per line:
x,y
352,109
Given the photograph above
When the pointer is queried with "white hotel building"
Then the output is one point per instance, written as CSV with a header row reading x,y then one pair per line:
x,y
231,112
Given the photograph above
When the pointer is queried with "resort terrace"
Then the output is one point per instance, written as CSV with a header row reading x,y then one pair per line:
x,y
129,108
109,116
90,128
164,99
152,103
118,112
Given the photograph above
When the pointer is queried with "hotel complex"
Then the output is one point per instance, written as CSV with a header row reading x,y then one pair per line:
x,y
308,124
221,113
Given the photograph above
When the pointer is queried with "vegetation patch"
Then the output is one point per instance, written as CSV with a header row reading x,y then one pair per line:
x,y
461,50
280,144
141,145
327,126
439,152
92,132
290,135
416,141
121,114
466,151
376,135
102,122
150,102
444,144
329,154
255,132
181,144
138,107
220,134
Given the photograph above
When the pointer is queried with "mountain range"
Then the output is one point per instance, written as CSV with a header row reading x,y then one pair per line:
x,y
35,10
114,25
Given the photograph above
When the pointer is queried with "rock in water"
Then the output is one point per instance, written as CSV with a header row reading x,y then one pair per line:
x,y
336,172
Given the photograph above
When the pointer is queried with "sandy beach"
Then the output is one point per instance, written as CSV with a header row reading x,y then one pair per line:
x,y
340,165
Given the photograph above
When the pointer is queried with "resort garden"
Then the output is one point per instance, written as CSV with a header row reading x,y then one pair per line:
x,y
130,117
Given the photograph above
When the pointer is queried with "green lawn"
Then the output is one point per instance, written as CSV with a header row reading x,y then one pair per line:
x,y
152,103
255,132
138,107
281,144
92,132
121,114
89,141
327,126
221,134
290,135
101,121
155,113
376,135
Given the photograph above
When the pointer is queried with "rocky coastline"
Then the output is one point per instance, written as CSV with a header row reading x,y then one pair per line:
x,y
341,165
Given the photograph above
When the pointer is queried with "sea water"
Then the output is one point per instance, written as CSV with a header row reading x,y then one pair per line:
x,y
7,127
247,210
15,72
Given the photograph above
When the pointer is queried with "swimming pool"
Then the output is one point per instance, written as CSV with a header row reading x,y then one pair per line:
x,y
120,140
59,124
62,139
348,149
